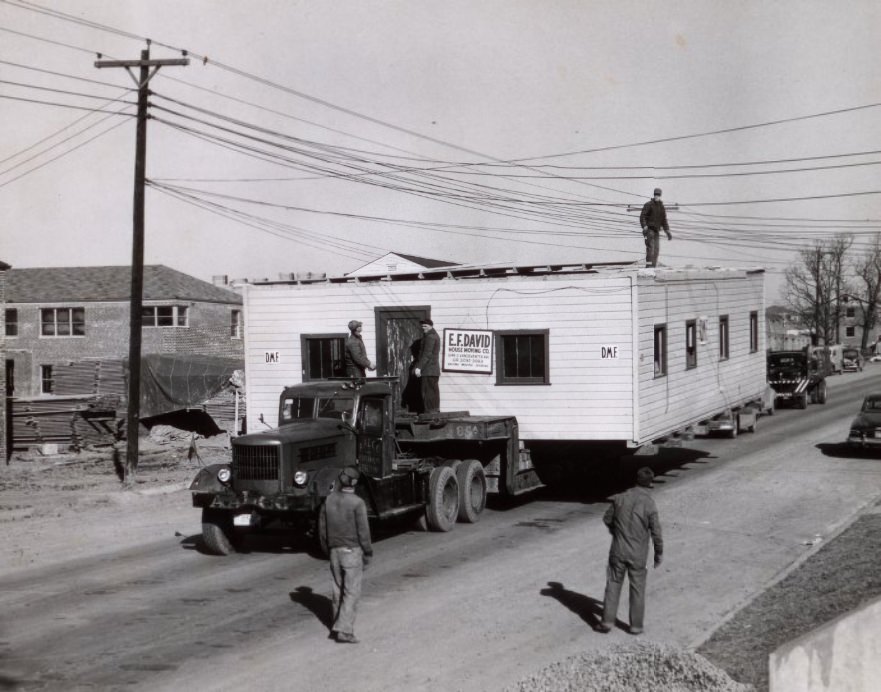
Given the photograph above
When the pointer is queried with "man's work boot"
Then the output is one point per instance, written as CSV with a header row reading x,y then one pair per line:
x,y
603,628
636,630
344,638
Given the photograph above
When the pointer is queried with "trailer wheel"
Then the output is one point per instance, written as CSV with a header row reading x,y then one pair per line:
x,y
822,394
443,499
217,531
472,490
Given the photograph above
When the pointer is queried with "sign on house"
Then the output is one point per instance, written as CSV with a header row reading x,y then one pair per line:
x,y
468,350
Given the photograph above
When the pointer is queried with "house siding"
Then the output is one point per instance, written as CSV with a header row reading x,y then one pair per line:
x,y
4,452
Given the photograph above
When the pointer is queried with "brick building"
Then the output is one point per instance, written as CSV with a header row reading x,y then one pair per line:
x,y
60,315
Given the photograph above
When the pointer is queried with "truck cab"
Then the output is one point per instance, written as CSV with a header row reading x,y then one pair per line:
x,y
797,377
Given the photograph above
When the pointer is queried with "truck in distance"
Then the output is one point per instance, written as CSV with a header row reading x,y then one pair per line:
x,y
443,465
797,377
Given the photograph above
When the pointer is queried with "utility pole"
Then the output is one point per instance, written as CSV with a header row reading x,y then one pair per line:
x,y
137,284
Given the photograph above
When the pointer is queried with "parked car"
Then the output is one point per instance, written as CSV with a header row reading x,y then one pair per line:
x,y
851,360
865,430
875,359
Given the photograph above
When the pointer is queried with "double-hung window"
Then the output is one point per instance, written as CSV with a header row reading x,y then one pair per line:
x,y
723,338
690,344
660,350
522,357
63,321
165,316
323,356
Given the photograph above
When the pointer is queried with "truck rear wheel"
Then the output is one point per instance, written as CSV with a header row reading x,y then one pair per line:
x,y
802,401
443,499
472,490
217,531
822,394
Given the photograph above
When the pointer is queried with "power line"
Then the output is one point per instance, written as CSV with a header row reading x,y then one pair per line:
x,y
46,40
57,74
63,91
55,103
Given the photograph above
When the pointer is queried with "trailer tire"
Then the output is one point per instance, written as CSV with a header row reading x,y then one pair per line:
x,y
443,499
217,531
472,490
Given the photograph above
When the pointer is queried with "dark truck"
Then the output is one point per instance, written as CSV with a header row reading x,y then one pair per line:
x,y
443,465
796,376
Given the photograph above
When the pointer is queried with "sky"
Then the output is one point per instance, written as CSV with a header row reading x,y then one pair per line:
x,y
317,136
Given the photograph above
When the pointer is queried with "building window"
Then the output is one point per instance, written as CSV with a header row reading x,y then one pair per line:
x,y
235,324
660,350
323,356
522,357
11,322
690,344
753,331
165,316
46,380
850,331
63,321
723,337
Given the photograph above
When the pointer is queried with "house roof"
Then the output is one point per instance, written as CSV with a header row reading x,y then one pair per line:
x,y
3,265
426,261
109,285
380,264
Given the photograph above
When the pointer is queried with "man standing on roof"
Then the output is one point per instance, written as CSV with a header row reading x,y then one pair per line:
x,y
428,367
357,362
652,219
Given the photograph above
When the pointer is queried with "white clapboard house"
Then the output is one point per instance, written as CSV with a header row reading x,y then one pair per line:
x,y
602,352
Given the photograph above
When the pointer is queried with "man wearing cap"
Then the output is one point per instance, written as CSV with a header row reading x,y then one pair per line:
x,y
357,362
652,219
428,367
344,530
632,518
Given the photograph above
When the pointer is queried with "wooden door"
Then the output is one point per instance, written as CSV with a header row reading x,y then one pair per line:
x,y
398,335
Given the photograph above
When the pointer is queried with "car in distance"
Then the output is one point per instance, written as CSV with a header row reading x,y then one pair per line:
x,y
851,360
865,430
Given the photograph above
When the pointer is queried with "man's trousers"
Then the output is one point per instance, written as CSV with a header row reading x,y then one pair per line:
x,y
346,568
615,573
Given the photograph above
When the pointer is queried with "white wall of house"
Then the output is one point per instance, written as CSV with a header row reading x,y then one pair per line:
x,y
594,379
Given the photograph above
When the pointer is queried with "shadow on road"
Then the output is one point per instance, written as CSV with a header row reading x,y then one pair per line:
x,y
8,683
320,606
588,609
841,450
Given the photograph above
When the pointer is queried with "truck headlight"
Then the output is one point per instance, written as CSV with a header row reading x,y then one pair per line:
x,y
300,478
224,474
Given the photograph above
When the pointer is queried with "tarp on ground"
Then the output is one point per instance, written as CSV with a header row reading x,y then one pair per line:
x,y
175,382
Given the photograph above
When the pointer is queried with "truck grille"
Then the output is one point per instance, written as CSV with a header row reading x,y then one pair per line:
x,y
256,463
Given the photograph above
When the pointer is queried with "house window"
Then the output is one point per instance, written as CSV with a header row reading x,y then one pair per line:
x,y
753,331
850,311
11,321
691,344
63,321
850,331
165,316
660,350
723,337
235,324
46,380
522,357
323,356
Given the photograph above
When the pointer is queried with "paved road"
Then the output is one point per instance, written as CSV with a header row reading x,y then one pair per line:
x,y
475,609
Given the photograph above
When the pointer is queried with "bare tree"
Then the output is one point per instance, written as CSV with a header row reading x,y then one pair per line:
x,y
814,286
867,287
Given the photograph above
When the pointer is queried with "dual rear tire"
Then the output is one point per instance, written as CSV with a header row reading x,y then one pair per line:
x,y
455,492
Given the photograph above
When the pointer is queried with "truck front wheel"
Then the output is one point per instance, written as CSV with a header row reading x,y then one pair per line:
x,y
443,499
472,490
217,531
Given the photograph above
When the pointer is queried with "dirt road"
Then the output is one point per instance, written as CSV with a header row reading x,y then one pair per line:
x,y
116,595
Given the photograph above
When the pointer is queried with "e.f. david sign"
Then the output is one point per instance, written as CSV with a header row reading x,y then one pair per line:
x,y
468,350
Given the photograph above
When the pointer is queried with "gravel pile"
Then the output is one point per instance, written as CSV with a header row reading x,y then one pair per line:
x,y
635,668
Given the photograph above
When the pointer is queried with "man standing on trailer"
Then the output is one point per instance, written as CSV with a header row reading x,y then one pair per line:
x,y
652,219
344,530
357,362
632,519
428,367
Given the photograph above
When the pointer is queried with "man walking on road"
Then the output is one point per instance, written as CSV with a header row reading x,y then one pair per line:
x,y
428,367
632,519
345,532
652,219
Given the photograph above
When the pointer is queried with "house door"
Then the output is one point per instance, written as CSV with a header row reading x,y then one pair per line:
x,y
10,390
398,335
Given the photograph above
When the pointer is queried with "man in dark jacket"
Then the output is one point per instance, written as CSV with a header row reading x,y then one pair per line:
x,y
652,219
632,519
344,530
357,362
428,367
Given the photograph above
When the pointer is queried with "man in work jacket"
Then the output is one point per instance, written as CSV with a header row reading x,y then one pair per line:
x,y
632,519
652,219
357,362
344,530
428,367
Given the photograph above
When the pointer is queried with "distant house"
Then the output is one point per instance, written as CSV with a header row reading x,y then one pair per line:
x,y
784,330
61,315
397,263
